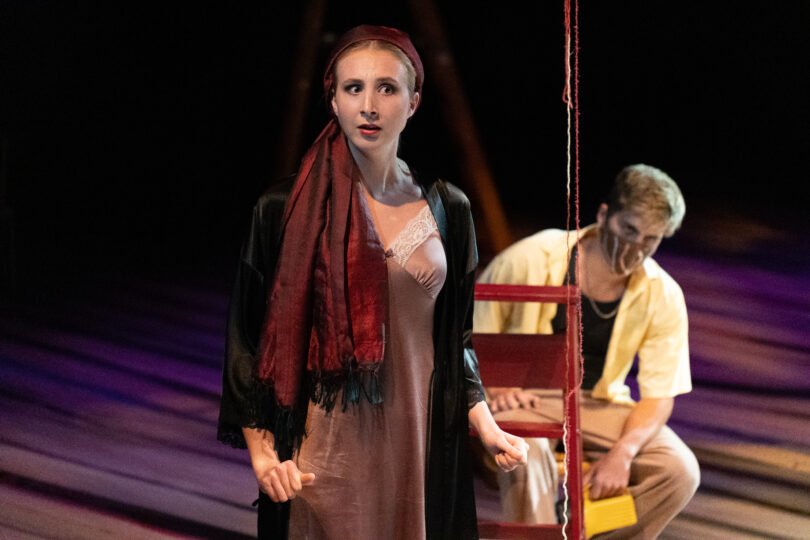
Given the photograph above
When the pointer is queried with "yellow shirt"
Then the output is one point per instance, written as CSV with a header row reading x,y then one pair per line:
x,y
651,320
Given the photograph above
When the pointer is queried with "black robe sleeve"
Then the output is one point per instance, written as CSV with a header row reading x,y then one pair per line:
x,y
464,236
456,384
475,389
244,402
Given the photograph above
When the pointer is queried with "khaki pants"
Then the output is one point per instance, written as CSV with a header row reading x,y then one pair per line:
x,y
663,477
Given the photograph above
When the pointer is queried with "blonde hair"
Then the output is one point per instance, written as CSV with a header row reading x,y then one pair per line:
x,y
649,190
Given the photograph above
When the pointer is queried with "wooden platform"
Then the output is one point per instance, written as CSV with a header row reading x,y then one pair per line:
x,y
108,403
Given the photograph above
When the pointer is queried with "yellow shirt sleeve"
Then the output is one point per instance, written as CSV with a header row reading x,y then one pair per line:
x,y
664,351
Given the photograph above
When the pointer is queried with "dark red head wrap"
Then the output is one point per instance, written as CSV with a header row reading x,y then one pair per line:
x,y
325,329
367,32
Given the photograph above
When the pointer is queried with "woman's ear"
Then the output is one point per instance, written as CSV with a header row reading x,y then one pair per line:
x,y
333,102
414,103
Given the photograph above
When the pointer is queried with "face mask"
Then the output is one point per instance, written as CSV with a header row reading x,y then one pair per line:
x,y
622,256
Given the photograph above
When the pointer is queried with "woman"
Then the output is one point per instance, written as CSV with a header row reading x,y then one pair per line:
x,y
354,396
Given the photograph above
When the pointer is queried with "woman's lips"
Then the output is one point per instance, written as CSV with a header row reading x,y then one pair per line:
x,y
369,129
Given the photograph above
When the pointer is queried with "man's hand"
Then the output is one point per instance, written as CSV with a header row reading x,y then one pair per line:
x,y
506,399
609,475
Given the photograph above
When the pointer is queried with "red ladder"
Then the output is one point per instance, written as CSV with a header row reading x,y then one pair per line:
x,y
538,361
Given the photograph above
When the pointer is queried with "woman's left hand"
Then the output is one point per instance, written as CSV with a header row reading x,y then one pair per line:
x,y
509,450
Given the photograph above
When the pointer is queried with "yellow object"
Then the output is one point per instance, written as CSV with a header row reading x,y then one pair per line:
x,y
608,514
605,514
560,458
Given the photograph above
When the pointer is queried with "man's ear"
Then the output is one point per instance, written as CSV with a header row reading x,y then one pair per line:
x,y
601,214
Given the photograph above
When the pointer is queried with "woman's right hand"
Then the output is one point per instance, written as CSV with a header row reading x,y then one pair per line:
x,y
281,481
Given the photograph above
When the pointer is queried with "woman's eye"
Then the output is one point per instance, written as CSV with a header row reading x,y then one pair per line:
x,y
387,89
352,88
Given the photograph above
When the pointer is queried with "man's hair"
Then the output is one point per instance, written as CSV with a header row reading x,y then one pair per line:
x,y
645,189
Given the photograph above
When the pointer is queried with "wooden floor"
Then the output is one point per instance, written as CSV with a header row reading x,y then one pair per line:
x,y
108,404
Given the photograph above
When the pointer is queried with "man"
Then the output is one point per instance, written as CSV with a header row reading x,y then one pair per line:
x,y
630,306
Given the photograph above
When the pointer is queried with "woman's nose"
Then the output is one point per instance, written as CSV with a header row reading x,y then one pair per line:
x,y
369,104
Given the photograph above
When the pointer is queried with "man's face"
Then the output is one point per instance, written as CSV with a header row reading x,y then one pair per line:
x,y
628,237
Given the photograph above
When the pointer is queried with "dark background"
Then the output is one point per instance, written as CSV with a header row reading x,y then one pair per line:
x,y
140,134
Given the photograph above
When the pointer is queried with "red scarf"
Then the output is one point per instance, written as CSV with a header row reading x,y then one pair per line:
x,y
328,303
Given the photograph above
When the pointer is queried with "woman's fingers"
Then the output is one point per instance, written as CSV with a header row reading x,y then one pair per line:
x,y
513,459
298,479
295,483
307,479
505,463
282,476
268,489
284,481
511,451
516,447
274,490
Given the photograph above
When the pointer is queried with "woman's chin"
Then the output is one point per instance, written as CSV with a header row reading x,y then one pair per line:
x,y
369,144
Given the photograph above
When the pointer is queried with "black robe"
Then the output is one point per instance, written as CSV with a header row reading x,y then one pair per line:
x,y
455,382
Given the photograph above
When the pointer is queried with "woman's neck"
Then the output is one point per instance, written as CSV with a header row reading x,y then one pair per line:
x,y
385,176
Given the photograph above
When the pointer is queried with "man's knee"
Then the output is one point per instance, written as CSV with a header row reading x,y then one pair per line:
x,y
528,493
683,474
691,473
540,470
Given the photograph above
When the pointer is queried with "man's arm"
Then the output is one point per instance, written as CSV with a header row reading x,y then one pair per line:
x,y
611,473
663,370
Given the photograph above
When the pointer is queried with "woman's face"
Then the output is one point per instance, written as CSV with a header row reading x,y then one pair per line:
x,y
371,101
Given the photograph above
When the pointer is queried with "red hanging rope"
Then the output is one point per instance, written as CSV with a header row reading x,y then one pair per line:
x,y
571,99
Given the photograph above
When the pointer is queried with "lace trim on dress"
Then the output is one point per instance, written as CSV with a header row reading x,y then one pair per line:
x,y
418,229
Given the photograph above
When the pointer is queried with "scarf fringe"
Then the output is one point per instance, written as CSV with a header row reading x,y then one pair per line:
x,y
288,424
355,384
